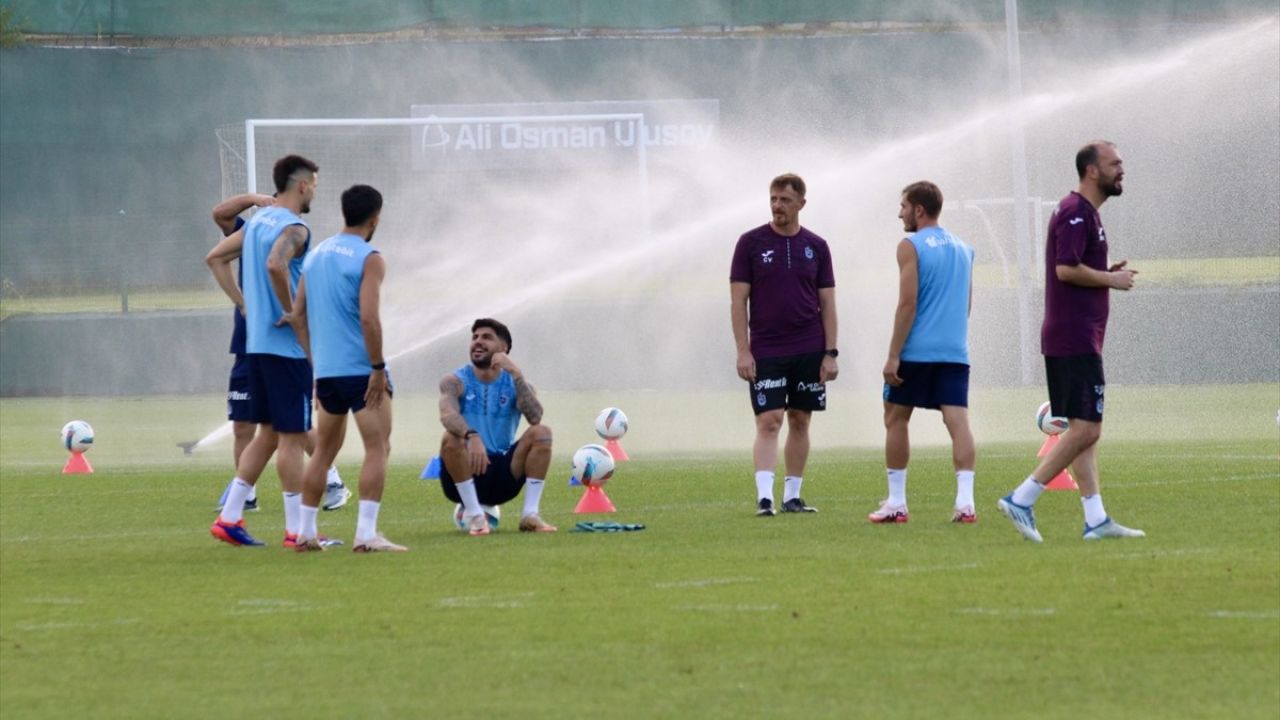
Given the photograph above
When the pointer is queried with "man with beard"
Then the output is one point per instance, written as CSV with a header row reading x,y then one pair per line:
x,y
480,407
783,311
275,241
337,306
928,363
1078,281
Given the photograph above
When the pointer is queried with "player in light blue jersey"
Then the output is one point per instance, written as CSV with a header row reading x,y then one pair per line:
x,y
928,364
480,407
338,302
274,242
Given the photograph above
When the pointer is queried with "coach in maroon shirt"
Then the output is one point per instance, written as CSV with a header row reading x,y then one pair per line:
x,y
1078,283
783,295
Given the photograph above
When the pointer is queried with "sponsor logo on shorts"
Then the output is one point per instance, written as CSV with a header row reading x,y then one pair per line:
x,y
1099,390
237,395
810,387
770,383
822,400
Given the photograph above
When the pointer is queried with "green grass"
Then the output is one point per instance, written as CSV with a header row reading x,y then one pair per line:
x,y
115,603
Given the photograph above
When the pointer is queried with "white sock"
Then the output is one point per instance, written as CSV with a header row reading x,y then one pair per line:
x,y
332,477
764,485
964,488
233,508
467,491
897,486
532,495
309,529
367,521
1028,492
292,512
1094,513
253,493
791,487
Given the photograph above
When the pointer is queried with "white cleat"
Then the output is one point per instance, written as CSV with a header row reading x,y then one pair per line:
x,y
1022,517
478,524
377,544
1110,529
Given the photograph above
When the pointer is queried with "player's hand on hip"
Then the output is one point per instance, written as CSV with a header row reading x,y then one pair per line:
x,y
891,372
829,370
746,366
476,456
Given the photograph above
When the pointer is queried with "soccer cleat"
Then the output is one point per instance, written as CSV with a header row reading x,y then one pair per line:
x,y
233,533
380,544
797,505
1110,529
478,524
888,514
1023,518
535,524
764,508
964,515
335,496
290,540
308,545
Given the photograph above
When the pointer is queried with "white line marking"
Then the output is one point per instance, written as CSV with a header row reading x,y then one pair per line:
x,y
707,582
1006,611
33,627
54,601
1149,554
1197,480
499,602
740,607
927,568
1263,615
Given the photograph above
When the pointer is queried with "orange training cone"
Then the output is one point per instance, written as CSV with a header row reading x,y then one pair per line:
x,y
77,464
594,501
615,449
1063,480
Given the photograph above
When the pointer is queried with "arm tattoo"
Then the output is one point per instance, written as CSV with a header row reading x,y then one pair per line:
x,y
450,409
527,401
289,244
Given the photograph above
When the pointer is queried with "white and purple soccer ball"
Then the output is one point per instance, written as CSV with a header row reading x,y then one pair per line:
x,y
593,465
77,436
1049,423
611,423
492,512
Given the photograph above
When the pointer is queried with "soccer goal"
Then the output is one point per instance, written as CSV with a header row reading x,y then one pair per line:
x,y
434,170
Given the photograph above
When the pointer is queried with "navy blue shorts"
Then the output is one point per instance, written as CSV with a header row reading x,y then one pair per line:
x,y
340,395
930,385
1076,386
789,382
280,392
495,487
238,390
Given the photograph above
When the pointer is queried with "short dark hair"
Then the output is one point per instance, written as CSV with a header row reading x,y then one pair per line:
x,y
359,203
287,166
926,195
1088,155
791,180
498,329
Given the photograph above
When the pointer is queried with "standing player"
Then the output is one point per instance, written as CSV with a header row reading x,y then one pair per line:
x,y
1078,281
783,309
275,240
226,215
928,364
338,308
480,408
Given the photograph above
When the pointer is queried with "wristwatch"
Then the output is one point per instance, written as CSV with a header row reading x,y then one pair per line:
x,y
832,352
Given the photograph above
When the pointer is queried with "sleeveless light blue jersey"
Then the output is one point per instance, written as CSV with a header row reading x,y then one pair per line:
x,y
262,309
333,272
945,270
490,408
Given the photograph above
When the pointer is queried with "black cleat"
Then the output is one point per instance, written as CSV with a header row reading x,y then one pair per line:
x,y
796,505
764,508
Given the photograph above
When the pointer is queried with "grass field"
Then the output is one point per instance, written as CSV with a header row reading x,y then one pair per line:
x,y
115,602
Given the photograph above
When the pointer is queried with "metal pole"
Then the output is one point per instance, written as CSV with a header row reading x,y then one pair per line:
x,y
250,158
1021,219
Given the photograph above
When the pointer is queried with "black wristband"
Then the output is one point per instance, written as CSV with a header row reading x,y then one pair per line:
x,y
832,352
467,435
379,366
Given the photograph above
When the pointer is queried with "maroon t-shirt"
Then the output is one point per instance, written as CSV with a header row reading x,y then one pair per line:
x,y
785,274
1075,317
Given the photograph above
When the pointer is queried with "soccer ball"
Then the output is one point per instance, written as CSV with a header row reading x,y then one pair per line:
x,y
77,436
493,512
611,423
1049,423
592,465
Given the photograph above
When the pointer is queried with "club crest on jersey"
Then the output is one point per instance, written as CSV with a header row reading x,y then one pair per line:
x,y
502,400
808,252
